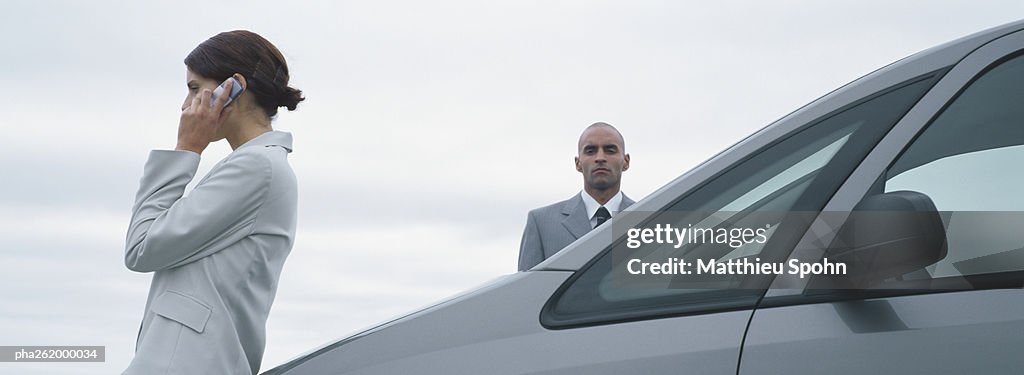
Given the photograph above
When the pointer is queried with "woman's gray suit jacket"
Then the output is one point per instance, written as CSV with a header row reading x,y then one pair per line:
x,y
216,256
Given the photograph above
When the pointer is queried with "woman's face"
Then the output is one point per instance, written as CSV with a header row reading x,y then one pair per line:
x,y
196,83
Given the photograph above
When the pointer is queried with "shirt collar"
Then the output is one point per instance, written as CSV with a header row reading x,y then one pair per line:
x,y
271,138
591,204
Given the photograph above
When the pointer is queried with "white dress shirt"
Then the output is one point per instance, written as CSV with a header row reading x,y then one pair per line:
x,y
592,206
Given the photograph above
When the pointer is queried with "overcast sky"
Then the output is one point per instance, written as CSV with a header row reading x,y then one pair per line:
x,y
430,129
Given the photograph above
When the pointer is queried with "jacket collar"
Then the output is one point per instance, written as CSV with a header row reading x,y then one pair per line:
x,y
576,220
271,138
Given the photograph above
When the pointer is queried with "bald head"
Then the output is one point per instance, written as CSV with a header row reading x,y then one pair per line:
x,y
601,159
601,125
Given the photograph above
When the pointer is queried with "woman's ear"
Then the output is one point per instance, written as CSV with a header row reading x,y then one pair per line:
x,y
241,79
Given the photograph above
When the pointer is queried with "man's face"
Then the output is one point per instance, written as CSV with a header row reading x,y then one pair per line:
x,y
601,158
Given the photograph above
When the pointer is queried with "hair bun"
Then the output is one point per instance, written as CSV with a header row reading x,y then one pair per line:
x,y
290,98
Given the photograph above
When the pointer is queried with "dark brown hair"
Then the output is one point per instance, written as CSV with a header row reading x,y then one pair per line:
x,y
247,53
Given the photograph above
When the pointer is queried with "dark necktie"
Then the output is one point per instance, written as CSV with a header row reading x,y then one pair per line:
x,y
602,215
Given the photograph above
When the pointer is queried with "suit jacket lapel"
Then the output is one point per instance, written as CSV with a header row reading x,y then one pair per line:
x,y
576,220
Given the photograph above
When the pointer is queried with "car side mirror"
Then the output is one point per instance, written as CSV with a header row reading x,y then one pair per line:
x,y
886,235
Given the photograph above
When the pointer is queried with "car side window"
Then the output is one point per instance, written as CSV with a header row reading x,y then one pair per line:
x,y
968,163
800,172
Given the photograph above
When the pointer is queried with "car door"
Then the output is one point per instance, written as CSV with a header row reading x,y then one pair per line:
x,y
961,149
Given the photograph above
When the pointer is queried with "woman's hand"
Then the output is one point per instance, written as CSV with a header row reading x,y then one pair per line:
x,y
200,121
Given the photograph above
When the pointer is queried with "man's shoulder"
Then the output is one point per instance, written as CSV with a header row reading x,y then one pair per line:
x,y
556,207
626,201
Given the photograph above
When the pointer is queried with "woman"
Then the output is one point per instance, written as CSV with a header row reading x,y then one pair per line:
x,y
216,255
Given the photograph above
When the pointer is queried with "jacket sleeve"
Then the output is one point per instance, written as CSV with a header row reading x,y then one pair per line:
x,y
531,251
168,230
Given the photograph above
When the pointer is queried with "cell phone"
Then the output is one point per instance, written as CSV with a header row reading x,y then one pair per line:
x,y
236,90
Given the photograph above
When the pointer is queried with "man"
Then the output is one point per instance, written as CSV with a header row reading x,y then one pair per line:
x,y
601,159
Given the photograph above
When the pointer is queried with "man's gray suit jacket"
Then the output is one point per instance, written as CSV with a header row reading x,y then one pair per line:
x,y
216,256
549,229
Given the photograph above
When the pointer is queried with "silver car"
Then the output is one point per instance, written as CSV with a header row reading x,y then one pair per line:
x,y
939,134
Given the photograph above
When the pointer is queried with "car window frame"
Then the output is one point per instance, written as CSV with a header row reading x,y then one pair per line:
x,y
787,291
751,296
